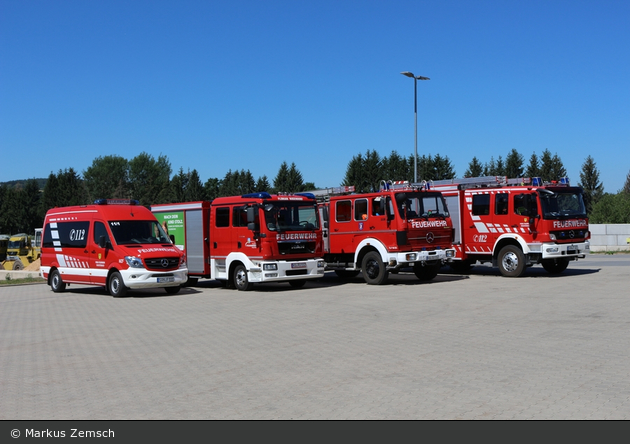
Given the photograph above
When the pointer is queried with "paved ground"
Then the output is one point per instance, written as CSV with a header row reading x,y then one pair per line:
x,y
460,347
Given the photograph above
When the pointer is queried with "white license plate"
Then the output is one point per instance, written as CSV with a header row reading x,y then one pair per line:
x,y
166,279
298,265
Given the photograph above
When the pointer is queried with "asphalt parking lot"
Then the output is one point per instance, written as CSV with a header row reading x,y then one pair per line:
x,y
476,346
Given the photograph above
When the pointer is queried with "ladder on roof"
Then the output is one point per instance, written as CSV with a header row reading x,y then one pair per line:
x,y
323,195
485,181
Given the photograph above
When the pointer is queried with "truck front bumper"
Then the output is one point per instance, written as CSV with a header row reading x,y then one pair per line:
x,y
409,259
561,251
282,271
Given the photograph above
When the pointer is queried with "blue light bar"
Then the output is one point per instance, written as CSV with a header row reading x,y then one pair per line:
x,y
259,195
308,195
537,181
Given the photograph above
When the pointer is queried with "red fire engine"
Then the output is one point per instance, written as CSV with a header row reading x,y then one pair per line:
x,y
245,239
516,223
399,227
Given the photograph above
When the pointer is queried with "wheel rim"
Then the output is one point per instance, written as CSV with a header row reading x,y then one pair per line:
x,y
115,285
372,269
241,278
55,280
510,262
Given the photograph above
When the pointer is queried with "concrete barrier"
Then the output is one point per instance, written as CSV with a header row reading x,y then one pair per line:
x,y
21,274
610,237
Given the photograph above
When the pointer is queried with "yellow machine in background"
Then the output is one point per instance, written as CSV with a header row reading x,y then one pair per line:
x,y
22,249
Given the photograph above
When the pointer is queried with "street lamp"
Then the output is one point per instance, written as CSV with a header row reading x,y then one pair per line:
x,y
415,111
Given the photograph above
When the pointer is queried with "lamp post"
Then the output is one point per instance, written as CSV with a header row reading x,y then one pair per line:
x,y
415,111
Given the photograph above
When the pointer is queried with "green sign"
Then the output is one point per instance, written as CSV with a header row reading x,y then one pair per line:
x,y
173,224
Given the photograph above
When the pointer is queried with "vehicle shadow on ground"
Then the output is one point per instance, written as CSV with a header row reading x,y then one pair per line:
x,y
536,271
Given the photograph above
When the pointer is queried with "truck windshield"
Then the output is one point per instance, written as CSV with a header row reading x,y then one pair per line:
x,y
562,204
291,216
422,205
138,232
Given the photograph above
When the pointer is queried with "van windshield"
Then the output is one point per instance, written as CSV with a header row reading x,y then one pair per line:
x,y
138,232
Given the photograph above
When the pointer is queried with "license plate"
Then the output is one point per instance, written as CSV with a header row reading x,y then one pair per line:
x,y
298,265
571,250
166,279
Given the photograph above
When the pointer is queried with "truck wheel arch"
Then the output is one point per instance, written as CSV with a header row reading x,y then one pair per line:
x,y
508,239
367,245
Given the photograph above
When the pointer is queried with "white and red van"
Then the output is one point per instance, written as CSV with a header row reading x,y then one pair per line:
x,y
117,244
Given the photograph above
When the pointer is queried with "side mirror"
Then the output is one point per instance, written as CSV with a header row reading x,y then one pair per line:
x,y
102,242
251,215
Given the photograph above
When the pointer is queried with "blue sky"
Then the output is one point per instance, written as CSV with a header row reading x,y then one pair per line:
x,y
232,85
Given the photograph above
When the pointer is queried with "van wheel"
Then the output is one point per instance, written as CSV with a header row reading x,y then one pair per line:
x,y
428,272
373,268
511,261
240,278
172,290
116,286
555,266
56,284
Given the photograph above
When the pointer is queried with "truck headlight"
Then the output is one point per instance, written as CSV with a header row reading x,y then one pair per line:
x,y
268,267
134,262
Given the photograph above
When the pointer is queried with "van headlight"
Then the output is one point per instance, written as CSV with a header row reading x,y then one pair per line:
x,y
134,262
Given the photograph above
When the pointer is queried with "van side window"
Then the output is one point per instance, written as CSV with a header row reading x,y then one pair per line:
x,y
100,230
222,218
343,211
481,204
66,234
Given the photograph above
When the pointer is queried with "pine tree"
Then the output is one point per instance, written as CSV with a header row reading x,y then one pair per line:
x,y
442,168
533,169
475,168
514,164
262,184
295,181
281,182
589,181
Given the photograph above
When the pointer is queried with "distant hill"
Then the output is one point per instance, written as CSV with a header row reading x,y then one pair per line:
x,y
22,183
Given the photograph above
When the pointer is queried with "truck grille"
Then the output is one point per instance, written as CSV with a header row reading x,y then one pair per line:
x,y
162,263
296,247
569,235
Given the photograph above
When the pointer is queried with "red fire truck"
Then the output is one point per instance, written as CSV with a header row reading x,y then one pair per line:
x,y
242,240
516,223
396,228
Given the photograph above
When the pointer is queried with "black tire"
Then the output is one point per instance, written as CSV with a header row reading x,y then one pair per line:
x,y
511,261
346,274
56,284
428,272
18,265
116,286
172,290
191,282
239,278
373,269
462,266
555,266
297,284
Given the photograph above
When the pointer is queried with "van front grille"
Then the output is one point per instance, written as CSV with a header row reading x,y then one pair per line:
x,y
161,263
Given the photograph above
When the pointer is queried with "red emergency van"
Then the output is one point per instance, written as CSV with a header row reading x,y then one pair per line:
x,y
117,244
